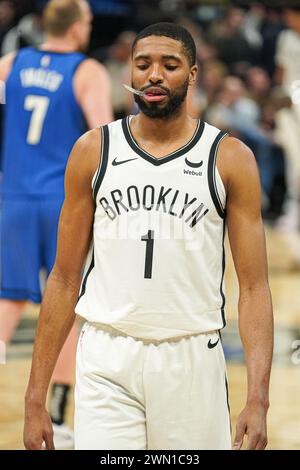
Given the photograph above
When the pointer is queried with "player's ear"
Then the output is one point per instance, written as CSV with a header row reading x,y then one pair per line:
x,y
74,29
193,75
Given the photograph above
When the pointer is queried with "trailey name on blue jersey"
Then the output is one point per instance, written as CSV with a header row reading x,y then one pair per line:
x,y
48,79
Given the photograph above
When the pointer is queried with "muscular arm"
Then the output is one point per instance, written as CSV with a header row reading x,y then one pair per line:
x,y
5,68
5,65
246,235
93,91
57,310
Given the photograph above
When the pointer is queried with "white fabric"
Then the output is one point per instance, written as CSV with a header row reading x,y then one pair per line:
x,y
183,295
288,119
132,396
288,57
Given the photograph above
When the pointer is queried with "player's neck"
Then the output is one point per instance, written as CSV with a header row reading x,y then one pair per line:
x,y
162,130
61,44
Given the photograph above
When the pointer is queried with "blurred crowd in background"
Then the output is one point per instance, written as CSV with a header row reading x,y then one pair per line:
x,y
249,74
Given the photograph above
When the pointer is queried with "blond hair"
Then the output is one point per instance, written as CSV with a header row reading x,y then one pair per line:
x,y
59,15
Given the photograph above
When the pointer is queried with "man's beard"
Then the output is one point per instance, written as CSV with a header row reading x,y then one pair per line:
x,y
170,109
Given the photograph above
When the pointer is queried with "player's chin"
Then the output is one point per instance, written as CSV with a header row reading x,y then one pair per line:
x,y
159,105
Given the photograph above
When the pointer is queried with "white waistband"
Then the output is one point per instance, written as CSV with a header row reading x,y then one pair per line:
x,y
115,332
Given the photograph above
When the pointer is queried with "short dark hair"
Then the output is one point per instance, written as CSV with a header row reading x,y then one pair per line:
x,y
173,31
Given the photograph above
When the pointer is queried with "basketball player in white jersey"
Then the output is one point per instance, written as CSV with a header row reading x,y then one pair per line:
x,y
150,212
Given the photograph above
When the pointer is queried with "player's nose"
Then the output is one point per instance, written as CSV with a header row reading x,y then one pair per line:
x,y
155,74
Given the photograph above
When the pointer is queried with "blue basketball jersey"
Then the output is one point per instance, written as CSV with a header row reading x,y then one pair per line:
x,y
42,121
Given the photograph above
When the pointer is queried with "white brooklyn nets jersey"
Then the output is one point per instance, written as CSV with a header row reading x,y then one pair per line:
x,y
156,266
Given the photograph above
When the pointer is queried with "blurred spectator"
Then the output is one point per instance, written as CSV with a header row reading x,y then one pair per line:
x,y
288,51
213,75
197,98
28,32
233,110
259,86
252,24
271,27
117,61
230,39
209,84
7,17
288,118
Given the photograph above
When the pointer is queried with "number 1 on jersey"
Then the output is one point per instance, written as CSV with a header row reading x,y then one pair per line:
x,y
39,106
149,239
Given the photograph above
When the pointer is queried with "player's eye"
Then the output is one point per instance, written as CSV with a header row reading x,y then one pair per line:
x,y
171,67
142,66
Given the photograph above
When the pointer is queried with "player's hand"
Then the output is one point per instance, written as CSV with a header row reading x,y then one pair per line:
x,y
253,422
37,428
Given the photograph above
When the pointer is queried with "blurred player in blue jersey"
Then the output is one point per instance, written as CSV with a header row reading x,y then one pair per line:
x,y
52,95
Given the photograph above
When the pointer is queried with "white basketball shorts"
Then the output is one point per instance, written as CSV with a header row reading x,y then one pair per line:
x,y
130,395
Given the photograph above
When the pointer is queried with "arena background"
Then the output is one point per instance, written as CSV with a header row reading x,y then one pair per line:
x,y
239,88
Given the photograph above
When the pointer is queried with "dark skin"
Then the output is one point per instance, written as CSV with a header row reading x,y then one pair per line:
x,y
239,173
159,137
151,68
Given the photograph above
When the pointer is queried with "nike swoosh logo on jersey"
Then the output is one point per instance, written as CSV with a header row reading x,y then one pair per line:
x,y
193,165
212,345
115,163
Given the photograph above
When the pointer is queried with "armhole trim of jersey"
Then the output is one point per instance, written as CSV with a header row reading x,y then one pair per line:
x,y
103,160
83,287
212,174
223,272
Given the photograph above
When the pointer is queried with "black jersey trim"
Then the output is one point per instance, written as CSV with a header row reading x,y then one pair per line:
x,y
159,161
103,163
227,394
98,180
83,287
226,387
100,162
227,401
212,174
222,277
